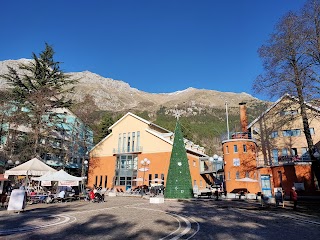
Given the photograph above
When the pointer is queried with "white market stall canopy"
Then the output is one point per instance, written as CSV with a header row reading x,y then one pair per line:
x,y
64,178
33,167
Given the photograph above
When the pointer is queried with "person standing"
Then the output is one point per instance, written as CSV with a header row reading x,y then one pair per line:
x,y
278,197
294,197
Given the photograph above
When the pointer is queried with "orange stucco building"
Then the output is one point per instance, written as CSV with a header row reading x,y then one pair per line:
x,y
283,160
271,152
239,153
115,162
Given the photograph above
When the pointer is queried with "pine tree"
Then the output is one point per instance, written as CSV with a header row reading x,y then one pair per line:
x,y
37,89
179,183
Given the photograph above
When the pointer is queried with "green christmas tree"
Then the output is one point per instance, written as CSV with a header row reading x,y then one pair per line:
x,y
179,183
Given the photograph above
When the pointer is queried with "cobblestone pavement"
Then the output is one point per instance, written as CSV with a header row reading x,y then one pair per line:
x,y
136,218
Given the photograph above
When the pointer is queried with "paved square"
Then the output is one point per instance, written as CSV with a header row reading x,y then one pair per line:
x,y
136,218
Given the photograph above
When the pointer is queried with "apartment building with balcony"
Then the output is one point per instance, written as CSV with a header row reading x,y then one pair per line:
x,y
66,146
282,157
115,162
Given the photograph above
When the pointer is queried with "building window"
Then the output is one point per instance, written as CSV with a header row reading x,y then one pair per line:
x,y
162,178
135,162
227,149
194,163
288,112
284,152
305,153
235,148
236,162
100,181
96,181
247,174
200,183
291,133
194,182
237,175
274,134
138,140
133,139
150,178
123,160
228,176
124,143
128,143
244,148
105,181
128,162
129,182
294,152
156,176
275,155
312,131
119,142
122,181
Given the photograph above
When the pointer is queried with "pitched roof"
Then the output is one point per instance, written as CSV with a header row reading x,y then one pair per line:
x,y
141,119
155,133
277,102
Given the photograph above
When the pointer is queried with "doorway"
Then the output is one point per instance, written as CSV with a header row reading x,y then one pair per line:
x,y
266,185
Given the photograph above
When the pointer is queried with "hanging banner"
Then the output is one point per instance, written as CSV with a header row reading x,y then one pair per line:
x,y
45,183
68,183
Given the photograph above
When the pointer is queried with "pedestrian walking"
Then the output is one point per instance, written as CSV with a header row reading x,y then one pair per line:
x,y
294,197
278,197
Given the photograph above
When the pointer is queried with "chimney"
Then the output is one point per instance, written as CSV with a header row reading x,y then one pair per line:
x,y
243,117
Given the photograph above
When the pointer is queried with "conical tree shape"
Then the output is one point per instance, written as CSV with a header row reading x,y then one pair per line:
x,y
179,183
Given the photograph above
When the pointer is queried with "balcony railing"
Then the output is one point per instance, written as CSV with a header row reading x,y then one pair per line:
x,y
283,160
238,135
127,150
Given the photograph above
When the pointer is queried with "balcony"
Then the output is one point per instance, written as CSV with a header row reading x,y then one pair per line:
x,y
238,135
241,135
283,160
137,149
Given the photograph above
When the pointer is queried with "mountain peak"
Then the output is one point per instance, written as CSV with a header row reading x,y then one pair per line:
x,y
117,95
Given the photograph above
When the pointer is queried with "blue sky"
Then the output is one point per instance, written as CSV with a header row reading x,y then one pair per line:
x,y
154,45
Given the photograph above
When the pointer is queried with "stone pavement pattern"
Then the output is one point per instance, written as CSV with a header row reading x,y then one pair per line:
x,y
136,218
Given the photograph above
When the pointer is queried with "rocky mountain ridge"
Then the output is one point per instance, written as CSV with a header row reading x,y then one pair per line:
x,y
118,96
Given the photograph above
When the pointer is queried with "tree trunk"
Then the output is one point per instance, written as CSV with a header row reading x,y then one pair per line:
x,y
306,129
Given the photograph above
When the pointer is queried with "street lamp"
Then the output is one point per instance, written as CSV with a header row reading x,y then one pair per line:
x,y
10,162
84,166
144,163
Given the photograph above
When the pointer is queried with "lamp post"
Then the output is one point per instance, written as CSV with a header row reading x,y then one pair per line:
x,y
83,173
16,163
144,163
